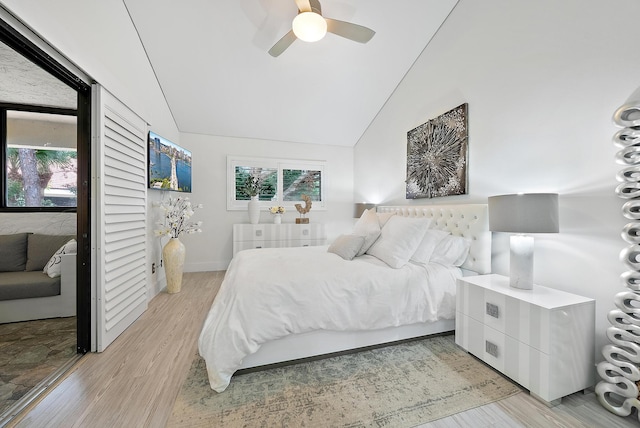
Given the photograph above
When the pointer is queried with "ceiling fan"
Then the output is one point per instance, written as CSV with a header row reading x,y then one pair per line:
x,y
310,26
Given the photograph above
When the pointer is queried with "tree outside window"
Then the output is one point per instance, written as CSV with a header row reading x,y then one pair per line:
x,y
41,160
282,181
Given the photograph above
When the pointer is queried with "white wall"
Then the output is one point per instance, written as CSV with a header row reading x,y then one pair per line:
x,y
99,38
212,249
542,80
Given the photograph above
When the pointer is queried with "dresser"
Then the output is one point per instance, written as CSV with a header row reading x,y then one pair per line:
x,y
544,339
246,236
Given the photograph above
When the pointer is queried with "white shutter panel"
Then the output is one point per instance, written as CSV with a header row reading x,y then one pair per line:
x,y
121,219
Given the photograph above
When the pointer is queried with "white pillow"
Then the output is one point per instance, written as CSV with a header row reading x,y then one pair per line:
x,y
399,239
346,246
451,251
368,227
432,237
384,217
53,266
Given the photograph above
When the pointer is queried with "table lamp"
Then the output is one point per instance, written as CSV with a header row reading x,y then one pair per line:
x,y
360,208
521,214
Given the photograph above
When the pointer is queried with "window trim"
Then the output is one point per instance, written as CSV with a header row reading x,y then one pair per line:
x,y
279,164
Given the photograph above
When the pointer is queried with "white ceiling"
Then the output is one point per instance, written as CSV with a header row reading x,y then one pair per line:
x,y
210,58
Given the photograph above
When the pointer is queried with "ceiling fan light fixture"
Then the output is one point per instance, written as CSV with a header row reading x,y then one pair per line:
x,y
309,26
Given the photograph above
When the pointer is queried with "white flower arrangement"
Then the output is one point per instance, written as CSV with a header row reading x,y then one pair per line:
x,y
277,210
176,213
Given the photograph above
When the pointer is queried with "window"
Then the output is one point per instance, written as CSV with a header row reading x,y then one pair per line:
x,y
274,181
41,161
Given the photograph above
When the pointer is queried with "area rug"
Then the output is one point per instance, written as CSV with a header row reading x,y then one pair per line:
x,y
30,351
396,386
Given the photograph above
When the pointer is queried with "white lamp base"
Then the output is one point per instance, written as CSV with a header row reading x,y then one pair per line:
x,y
521,262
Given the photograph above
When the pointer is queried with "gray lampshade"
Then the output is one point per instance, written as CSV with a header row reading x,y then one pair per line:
x,y
361,208
524,213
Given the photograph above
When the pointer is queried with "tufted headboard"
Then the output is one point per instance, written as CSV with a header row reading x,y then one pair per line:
x,y
468,220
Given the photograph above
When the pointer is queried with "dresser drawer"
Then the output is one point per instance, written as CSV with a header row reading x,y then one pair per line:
x,y
248,236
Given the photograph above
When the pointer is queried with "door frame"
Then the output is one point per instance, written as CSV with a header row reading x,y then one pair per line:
x,y
14,39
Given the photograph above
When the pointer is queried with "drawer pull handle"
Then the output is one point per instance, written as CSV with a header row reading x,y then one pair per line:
x,y
493,310
258,246
491,348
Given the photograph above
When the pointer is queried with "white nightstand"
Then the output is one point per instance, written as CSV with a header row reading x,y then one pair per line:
x,y
544,339
246,236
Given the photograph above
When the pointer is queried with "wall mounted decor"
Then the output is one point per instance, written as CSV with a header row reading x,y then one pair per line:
x,y
619,391
437,156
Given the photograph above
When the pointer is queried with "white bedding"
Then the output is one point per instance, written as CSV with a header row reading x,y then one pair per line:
x,y
270,293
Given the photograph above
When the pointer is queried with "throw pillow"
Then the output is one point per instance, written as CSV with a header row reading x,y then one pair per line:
x,y
13,252
368,227
40,248
54,266
346,246
399,240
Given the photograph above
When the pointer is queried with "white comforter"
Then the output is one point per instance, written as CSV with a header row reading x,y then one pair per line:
x,y
270,293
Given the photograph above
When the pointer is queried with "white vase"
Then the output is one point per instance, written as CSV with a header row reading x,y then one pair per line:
x,y
173,254
277,218
254,210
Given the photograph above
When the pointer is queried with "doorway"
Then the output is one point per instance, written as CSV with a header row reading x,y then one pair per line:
x,y
46,85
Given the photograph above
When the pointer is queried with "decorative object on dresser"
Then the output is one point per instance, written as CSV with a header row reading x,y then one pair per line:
x,y
177,212
437,156
520,214
303,210
253,207
619,390
277,212
543,339
248,236
254,184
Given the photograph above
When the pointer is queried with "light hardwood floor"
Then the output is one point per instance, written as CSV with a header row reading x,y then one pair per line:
x,y
134,383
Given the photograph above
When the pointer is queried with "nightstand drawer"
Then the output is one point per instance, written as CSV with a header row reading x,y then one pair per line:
x,y
541,338
480,340
528,323
483,305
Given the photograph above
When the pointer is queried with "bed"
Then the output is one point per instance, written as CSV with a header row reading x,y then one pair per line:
x,y
284,304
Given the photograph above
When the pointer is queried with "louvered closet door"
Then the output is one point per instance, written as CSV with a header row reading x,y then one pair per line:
x,y
120,208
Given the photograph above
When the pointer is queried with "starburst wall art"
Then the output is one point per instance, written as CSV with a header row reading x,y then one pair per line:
x,y
437,156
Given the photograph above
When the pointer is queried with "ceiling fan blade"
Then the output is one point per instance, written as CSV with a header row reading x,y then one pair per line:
x,y
282,44
350,31
315,6
303,5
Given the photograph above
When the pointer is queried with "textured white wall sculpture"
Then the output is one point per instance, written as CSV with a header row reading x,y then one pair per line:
x,y
620,372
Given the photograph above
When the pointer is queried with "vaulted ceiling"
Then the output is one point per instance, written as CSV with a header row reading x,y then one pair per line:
x,y
211,61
